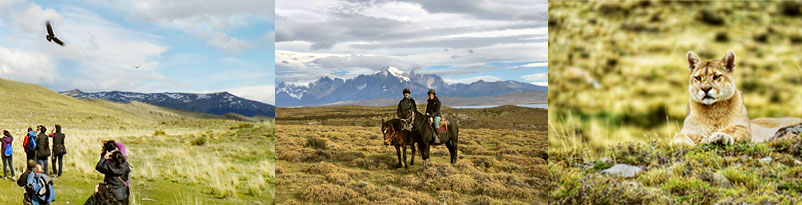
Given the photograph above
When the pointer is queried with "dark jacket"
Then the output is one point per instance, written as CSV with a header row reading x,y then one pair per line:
x,y
404,105
42,146
7,139
58,144
22,181
116,176
433,107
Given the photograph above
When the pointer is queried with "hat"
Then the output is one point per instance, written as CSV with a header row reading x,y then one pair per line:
x,y
431,91
406,90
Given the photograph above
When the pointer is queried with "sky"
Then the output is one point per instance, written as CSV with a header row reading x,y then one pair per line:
x,y
178,46
462,41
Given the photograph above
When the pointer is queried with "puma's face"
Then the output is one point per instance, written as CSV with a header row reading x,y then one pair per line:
x,y
711,81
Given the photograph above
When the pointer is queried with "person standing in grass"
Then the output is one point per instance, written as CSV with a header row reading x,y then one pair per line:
x,y
29,145
58,151
42,148
7,154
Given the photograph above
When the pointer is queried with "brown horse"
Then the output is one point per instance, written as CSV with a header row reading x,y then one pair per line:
x,y
393,134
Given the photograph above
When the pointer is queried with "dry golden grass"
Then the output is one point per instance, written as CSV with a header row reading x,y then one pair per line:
x,y
332,161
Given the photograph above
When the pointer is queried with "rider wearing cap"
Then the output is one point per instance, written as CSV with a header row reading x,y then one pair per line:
x,y
433,110
405,108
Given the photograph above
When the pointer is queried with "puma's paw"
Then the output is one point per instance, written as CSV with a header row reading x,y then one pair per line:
x,y
682,140
719,138
792,130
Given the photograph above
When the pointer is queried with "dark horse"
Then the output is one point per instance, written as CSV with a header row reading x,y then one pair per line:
x,y
392,132
450,138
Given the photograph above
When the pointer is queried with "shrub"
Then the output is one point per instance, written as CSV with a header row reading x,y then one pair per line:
x,y
316,142
322,168
328,193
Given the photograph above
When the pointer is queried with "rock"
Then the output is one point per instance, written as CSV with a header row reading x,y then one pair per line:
x,y
362,184
710,17
720,180
766,160
623,170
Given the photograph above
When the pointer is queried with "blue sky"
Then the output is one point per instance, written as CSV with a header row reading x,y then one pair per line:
x,y
183,46
462,41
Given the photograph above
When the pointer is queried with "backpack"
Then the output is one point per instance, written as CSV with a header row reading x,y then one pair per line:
x,y
42,187
8,150
31,143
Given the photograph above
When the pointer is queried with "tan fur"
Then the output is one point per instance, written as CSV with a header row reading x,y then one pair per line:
x,y
716,111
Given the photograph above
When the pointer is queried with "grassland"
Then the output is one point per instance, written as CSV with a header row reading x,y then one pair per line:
x,y
178,157
634,53
335,155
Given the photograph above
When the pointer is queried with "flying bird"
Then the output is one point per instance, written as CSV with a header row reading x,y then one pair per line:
x,y
137,67
51,36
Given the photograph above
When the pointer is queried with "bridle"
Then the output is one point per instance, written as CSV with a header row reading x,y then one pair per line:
x,y
393,134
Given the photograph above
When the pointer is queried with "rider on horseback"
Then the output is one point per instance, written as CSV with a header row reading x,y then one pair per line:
x,y
405,110
433,111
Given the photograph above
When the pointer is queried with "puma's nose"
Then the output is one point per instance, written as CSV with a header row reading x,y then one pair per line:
x,y
706,90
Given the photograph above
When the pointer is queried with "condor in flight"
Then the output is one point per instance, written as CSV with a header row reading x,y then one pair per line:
x,y
51,36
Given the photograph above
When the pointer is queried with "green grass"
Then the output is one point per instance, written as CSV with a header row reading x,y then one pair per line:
x,y
178,157
681,174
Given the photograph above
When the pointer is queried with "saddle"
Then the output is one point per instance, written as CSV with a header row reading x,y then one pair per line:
x,y
443,126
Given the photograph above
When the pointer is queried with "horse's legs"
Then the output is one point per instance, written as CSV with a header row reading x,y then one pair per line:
x,y
450,150
404,150
412,161
398,151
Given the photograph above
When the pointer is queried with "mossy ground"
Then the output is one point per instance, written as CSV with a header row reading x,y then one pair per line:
x,y
681,174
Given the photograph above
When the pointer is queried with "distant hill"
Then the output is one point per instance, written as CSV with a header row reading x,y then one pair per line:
x,y
388,83
25,105
214,103
522,98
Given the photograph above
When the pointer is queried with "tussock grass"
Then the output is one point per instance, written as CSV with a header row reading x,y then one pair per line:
x,y
497,165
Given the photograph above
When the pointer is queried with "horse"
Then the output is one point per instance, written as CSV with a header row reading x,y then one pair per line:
x,y
391,129
450,138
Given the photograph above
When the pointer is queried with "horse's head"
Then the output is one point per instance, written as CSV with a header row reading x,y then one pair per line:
x,y
388,130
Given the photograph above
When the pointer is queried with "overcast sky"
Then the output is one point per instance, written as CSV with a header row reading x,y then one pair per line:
x,y
180,46
463,41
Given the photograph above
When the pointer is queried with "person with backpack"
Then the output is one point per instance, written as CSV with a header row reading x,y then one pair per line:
x,y
23,181
58,151
42,148
40,186
29,145
115,168
8,158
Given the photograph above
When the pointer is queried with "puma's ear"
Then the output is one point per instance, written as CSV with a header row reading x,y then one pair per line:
x,y
729,60
693,59
382,120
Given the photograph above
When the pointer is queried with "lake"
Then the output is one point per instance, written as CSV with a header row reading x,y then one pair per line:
x,y
543,106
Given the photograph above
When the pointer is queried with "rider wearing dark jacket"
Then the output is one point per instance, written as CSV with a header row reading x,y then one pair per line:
x,y
406,105
433,110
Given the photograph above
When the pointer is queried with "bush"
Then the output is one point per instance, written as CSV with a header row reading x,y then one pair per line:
x,y
316,142
328,193
459,183
158,132
322,168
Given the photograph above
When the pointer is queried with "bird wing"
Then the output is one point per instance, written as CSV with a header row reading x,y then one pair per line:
x,y
49,29
58,41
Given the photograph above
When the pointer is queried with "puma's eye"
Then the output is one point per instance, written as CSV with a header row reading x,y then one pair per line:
x,y
699,78
715,77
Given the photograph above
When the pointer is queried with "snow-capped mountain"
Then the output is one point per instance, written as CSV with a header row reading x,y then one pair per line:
x,y
388,83
212,103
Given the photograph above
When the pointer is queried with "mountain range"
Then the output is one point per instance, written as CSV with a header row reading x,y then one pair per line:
x,y
388,83
213,103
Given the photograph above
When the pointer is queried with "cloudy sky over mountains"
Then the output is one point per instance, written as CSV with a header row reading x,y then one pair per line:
x,y
463,41
179,46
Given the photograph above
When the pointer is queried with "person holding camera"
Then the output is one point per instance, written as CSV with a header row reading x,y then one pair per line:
x,y
58,151
115,168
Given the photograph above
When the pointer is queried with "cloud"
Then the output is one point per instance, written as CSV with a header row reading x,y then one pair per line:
x,y
532,65
261,93
536,77
544,83
25,66
486,78
211,20
413,35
